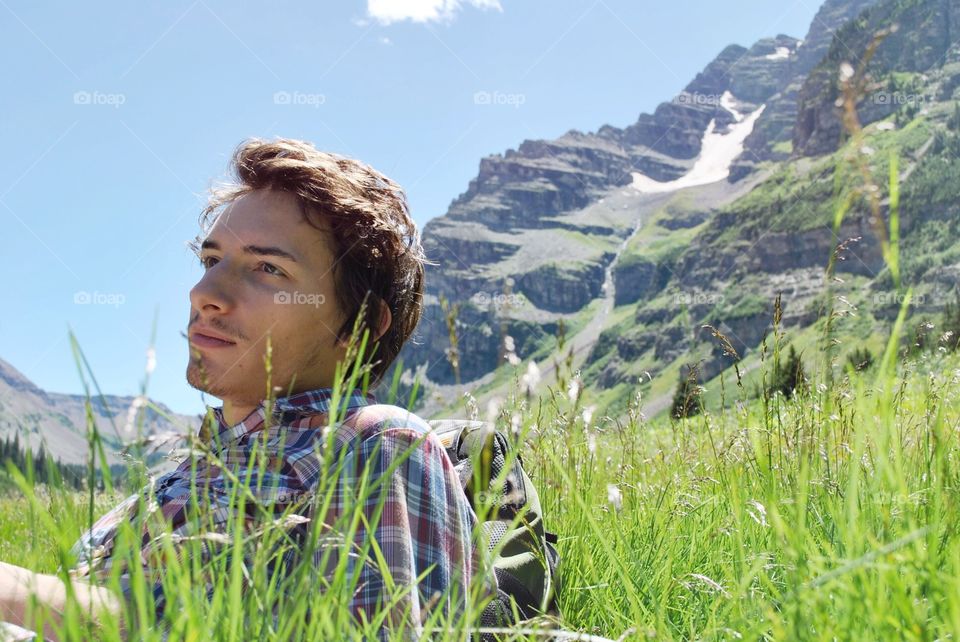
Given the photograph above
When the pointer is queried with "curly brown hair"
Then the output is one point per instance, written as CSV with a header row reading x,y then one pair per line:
x,y
377,244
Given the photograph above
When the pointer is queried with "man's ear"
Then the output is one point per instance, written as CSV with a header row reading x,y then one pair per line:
x,y
386,318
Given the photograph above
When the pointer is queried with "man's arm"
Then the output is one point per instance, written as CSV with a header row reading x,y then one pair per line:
x,y
420,525
17,585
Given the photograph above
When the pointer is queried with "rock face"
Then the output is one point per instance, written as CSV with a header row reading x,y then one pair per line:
x,y
633,280
58,421
557,289
782,252
921,41
540,233
776,127
547,216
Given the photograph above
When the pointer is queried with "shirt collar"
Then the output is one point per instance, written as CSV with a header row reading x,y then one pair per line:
x,y
287,409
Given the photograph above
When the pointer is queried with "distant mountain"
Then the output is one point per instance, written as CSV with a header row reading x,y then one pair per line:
x,y
58,421
699,214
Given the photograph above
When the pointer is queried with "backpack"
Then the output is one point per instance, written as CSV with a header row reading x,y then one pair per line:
x,y
526,566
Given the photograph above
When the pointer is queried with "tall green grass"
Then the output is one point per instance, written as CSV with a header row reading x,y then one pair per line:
x,y
832,515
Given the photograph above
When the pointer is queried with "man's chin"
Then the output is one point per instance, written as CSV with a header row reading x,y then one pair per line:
x,y
208,383
205,382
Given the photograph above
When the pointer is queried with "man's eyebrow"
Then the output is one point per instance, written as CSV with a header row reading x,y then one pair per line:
x,y
257,250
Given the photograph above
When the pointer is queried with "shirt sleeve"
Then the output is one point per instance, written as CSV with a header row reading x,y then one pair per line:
x,y
419,556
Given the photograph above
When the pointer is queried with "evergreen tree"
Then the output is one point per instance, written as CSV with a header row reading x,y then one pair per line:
x,y
789,376
860,359
686,399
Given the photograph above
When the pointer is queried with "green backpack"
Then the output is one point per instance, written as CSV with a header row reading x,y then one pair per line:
x,y
526,567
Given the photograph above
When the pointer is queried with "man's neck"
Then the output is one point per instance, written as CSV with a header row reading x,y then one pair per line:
x,y
235,413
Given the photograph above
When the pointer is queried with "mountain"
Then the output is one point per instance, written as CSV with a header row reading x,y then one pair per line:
x,y
634,239
58,421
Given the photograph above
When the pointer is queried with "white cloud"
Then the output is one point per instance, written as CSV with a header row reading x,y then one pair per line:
x,y
389,11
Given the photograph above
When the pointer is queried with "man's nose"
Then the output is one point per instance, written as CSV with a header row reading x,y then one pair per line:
x,y
212,291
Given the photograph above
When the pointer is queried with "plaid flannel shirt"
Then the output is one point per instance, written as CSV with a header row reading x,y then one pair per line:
x,y
425,527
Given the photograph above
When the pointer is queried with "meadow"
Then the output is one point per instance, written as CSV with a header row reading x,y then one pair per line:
x,y
829,515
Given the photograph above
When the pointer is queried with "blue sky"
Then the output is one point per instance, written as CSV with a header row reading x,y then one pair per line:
x,y
117,116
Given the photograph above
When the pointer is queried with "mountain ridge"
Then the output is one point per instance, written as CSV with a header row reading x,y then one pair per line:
x,y
530,243
58,420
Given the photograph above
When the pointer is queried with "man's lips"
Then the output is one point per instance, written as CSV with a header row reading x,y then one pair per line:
x,y
204,338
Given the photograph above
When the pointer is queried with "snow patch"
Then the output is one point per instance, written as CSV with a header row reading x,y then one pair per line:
x,y
717,153
728,103
780,54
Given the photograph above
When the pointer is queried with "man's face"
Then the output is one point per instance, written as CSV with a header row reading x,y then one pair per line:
x,y
267,272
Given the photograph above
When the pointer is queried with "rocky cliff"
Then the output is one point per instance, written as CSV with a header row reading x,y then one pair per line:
x,y
700,214
918,37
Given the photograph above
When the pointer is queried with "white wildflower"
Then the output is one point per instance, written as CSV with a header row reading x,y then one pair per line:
x,y
139,402
573,390
711,583
759,513
493,409
473,408
614,496
291,520
588,414
151,359
531,378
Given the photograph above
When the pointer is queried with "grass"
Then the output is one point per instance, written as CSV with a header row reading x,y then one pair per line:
x,y
829,516
832,515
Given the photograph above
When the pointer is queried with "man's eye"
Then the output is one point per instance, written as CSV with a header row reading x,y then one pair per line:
x,y
269,268
208,261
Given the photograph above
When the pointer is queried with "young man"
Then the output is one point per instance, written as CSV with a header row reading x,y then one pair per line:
x,y
302,251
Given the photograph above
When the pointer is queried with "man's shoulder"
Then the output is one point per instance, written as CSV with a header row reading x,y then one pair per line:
x,y
386,431
375,419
